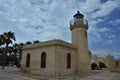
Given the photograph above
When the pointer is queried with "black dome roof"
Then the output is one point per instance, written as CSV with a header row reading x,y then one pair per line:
x,y
78,14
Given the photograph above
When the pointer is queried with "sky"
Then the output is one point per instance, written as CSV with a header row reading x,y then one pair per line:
x,y
44,20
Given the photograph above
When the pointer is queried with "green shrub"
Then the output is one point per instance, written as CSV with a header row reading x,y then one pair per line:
x,y
102,65
93,66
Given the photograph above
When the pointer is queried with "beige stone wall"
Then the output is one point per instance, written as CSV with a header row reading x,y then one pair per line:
x,y
110,61
61,60
117,63
83,55
115,70
36,60
79,38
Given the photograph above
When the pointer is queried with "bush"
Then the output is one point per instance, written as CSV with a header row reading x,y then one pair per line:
x,y
102,65
93,66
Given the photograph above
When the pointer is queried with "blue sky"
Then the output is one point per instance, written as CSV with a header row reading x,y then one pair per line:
x,y
49,19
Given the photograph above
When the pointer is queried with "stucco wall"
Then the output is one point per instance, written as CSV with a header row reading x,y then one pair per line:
x,y
35,61
61,60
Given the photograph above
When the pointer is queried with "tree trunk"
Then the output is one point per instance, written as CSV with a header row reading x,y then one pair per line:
x,y
4,56
3,63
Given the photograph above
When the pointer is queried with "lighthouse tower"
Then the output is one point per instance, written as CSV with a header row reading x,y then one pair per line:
x,y
79,27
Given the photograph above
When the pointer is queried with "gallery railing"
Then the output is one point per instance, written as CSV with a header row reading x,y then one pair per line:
x,y
78,21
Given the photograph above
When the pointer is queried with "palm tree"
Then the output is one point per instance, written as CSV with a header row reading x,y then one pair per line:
x,y
16,51
8,38
1,55
1,39
1,51
20,50
20,53
10,50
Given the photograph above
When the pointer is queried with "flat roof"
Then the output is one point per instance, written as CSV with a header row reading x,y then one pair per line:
x,y
49,43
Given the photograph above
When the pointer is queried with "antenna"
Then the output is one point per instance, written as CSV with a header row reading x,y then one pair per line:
x,y
78,6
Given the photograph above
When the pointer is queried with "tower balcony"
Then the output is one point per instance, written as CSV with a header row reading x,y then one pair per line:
x,y
78,22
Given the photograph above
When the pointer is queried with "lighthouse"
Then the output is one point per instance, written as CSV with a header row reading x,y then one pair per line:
x,y
79,27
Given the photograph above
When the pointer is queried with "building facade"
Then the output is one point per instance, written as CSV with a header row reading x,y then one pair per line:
x,y
108,60
57,57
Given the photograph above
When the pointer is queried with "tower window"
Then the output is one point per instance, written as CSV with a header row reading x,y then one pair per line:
x,y
68,61
86,33
28,60
117,63
43,60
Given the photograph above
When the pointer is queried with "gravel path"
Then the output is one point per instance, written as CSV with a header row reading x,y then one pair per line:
x,y
10,73
116,77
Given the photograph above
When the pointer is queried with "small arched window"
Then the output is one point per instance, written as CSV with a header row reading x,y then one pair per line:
x,y
117,63
68,61
43,60
28,60
86,34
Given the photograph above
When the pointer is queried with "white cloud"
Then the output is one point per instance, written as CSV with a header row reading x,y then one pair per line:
x,y
106,8
104,29
115,22
110,41
88,6
112,36
118,27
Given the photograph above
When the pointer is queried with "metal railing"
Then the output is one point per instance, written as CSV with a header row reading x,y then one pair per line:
x,y
78,21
